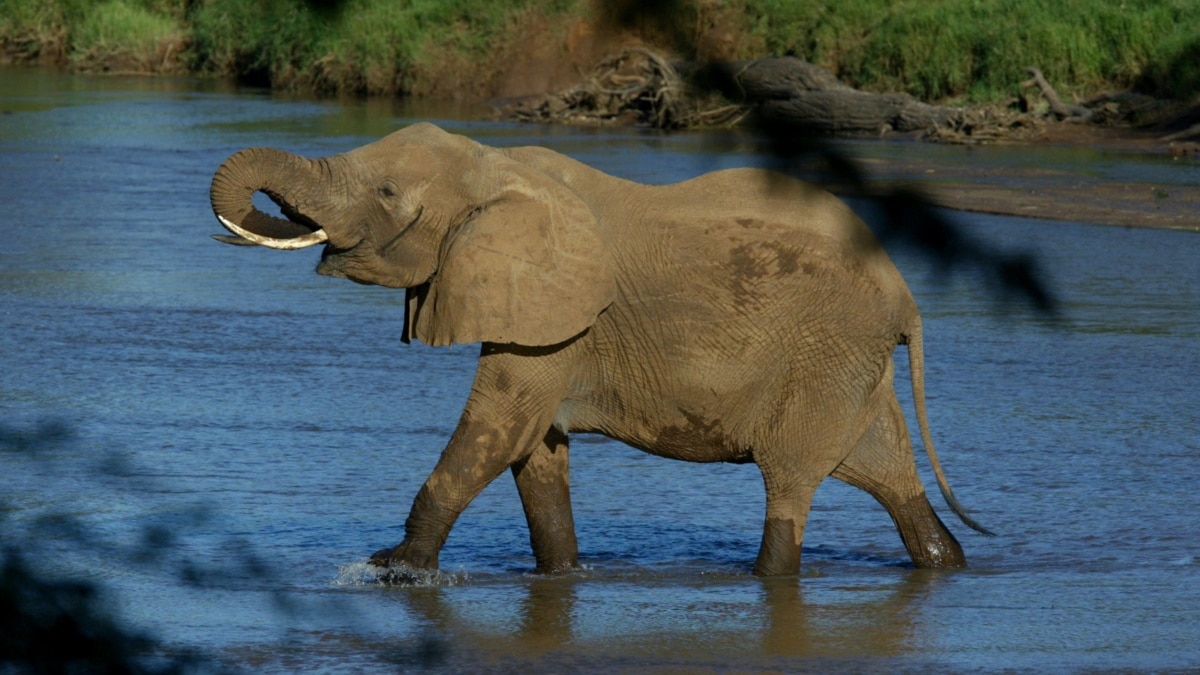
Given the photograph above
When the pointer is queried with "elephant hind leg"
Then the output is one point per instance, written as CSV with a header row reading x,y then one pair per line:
x,y
543,481
882,464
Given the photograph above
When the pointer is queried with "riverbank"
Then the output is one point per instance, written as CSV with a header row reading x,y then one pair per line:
x,y
952,51
785,99
994,179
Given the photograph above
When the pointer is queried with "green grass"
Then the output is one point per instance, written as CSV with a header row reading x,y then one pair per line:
x,y
78,30
979,49
937,50
122,27
365,46
29,29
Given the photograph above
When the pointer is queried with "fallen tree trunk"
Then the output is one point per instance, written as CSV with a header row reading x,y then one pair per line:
x,y
794,97
638,85
793,91
855,112
774,78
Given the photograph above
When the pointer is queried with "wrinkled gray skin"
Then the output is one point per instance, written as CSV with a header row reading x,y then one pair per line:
x,y
741,316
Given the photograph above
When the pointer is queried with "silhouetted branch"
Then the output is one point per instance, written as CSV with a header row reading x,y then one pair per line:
x,y
55,619
909,217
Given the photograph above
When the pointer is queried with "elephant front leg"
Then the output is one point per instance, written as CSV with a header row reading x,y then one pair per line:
x,y
788,504
543,481
510,408
474,457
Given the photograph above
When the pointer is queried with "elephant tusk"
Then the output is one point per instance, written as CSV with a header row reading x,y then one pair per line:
x,y
236,241
310,239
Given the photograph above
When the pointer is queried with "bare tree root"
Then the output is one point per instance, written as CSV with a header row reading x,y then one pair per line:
x,y
638,86
988,124
635,86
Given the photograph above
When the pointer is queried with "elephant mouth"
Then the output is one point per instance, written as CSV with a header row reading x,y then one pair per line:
x,y
333,264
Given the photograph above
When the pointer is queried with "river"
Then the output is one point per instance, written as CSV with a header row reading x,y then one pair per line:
x,y
230,435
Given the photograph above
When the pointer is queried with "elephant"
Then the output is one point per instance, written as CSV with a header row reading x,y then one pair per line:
x,y
739,316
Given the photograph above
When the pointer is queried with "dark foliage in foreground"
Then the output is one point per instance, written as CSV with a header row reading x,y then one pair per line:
x,y
61,622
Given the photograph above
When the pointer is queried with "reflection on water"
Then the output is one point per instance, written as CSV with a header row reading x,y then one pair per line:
x,y
592,618
282,403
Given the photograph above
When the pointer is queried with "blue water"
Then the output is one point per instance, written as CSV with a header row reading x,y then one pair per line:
x,y
269,425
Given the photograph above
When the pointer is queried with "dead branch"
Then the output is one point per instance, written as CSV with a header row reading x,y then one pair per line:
x,y
987,124
1060,109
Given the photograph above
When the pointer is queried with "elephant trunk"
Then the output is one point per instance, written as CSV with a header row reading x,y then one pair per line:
x,y
284,178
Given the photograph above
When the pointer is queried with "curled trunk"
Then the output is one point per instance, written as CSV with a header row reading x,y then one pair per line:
x,y
285,178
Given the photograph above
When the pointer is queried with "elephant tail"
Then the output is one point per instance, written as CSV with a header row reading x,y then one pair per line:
x,y
916,366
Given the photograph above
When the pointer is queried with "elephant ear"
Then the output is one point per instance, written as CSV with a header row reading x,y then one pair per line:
x,y
531,267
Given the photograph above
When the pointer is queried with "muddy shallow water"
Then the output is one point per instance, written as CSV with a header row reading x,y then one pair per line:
x,y
272,421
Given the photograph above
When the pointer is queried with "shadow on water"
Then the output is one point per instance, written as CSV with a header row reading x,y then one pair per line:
x,y
58,612
54,615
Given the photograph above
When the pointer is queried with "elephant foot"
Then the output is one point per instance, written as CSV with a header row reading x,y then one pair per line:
x,y
779,554
401,566
556,568
404,555
555,555
929,543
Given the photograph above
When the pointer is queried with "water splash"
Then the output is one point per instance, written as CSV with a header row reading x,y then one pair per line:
x,y
364,573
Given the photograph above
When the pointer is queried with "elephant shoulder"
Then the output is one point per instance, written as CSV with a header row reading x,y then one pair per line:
x,y
578,177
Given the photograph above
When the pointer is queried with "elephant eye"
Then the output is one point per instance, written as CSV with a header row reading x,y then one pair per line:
x,y
387,191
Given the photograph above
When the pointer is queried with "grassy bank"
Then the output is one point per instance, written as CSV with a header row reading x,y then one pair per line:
x,y
937,50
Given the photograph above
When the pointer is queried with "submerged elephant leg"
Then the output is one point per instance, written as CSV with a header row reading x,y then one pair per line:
x,y
796,456
543,481
882,464
788,503
511,406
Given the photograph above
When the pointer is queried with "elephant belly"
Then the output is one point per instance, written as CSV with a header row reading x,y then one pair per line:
x,y
711,396
663,425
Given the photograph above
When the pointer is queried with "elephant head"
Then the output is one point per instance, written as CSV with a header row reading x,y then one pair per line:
x,y
490,248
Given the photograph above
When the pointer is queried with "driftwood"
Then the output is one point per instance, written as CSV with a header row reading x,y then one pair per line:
x,y
793,91
1060,109
636,86
986,124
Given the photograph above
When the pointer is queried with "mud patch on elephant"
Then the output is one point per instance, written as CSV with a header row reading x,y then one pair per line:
x,y
700,440
759,262
765,259
503,382
780,551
